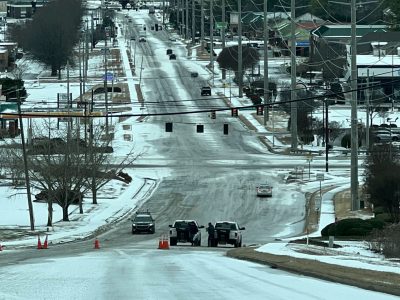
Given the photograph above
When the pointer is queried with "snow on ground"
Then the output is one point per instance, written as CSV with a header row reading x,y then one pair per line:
x,y
14,214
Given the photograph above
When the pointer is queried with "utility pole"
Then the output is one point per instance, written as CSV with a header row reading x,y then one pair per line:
x,y
202,25
105,80
163,13
212,38
240,53
355,203
223,35
367,112
27,181
193,22
187,20
266,88
293,104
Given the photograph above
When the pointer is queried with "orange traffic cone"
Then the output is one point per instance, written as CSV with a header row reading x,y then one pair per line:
x,y
45,243
166,242
39,244
96,244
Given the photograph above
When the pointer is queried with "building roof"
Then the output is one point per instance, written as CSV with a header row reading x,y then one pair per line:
x,y
329,31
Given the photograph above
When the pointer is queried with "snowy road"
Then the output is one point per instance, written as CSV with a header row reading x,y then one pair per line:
x,y
182,273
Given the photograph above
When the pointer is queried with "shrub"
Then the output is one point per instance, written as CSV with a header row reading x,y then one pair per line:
x,y
352,227
346,141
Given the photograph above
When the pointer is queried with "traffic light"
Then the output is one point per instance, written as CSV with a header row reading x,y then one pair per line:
x,y
168,127
234,112
200,128
260,110
225,128
213,114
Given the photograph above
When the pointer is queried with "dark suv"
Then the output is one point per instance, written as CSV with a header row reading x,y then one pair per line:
x,y
143,222
206,91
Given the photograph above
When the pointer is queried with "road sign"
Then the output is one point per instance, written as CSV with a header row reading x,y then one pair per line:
x,y
221,25
108,76
320,176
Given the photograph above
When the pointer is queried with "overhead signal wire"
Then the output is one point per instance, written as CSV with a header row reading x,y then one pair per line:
x,y
314,97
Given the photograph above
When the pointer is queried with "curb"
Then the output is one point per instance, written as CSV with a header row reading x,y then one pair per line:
x,y
383,282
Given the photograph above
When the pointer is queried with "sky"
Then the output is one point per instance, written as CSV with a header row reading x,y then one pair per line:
x,y
14,213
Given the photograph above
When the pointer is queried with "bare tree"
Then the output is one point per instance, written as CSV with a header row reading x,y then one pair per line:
x,y
65,167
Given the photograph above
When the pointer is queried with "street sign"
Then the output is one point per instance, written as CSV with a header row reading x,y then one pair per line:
x,y
221,25
108,76
320,176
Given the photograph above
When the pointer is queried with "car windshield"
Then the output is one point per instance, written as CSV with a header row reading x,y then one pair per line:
x,y
231,226
143,218
181,224
264,187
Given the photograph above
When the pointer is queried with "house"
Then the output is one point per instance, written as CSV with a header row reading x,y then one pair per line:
x,y
379,70
282,36
328,46
8,54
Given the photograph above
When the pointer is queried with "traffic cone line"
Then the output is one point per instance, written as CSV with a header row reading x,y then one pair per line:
x,y
39,244
96,244
45,243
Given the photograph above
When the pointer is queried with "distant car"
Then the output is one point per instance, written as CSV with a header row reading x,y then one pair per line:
x,y
206,91
142,39
143,222
169,51
385,136
194,74
172,56
180,232
264,190
227,232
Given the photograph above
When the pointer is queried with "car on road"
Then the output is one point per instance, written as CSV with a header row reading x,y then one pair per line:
x,y
206,91
172,56
264,190
143,222
228,232
184,231
194,74
142,39
169,51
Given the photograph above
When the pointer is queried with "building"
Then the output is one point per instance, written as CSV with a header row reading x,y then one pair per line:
x,y
20,9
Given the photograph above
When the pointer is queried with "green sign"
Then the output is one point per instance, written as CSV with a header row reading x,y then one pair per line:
x,y
221,25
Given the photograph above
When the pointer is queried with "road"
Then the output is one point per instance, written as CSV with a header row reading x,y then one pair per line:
x,y
212,177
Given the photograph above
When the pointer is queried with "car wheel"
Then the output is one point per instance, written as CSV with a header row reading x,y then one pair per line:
x,y
172,242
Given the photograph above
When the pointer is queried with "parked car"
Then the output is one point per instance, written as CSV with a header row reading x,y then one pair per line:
x,y
182,231
385,136
143,222
206,91
227,232
264,190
